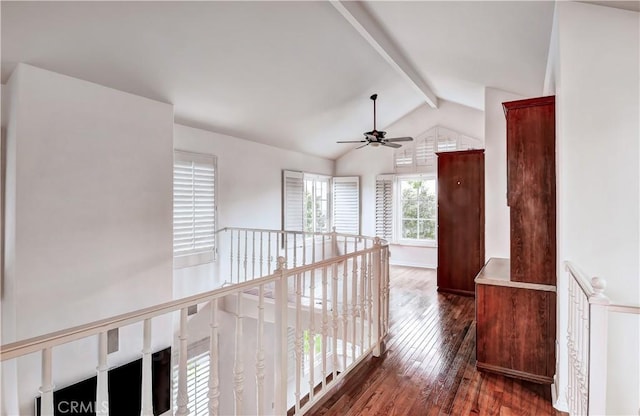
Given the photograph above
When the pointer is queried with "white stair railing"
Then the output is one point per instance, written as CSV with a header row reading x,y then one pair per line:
x,y
587,316
293,280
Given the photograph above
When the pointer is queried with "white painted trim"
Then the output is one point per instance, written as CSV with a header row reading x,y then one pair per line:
x,y
412,264
558,399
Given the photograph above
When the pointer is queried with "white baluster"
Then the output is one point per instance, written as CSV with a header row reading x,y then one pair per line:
x,y
214,355
238,257
298,340
312,333
325,322
295,250
281,317
269,252
260,365
598,347
376,297
253,254
147,390
387,290
230,256
304,249
183,394
102,384
261,253
361,304
370,318
246,266
238,367
46,401
354,303
345,312
334,317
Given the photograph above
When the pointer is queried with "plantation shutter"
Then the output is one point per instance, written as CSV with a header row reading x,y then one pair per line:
x,y
197,384
403,157
384,207
194,203
447,140
425,150
346,204
293,201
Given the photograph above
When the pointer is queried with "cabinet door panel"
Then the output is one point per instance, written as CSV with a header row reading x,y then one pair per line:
x,y
460,220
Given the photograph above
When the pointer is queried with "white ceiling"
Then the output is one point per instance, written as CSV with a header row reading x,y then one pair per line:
x,y
296,75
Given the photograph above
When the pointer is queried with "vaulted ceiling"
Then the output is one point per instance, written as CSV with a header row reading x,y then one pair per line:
x,y
295,75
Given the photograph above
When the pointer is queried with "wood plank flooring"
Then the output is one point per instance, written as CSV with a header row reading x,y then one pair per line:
x,y
428,367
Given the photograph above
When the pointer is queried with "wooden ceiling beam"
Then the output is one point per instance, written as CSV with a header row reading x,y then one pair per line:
x,y
367,26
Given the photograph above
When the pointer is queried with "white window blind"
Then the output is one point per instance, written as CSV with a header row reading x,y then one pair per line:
x,y
384,207
403,157
194,203
293,200
425,150
197,385
346,204
447,140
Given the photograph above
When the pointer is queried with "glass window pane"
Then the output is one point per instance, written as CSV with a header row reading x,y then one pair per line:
x,y
409,229
427,229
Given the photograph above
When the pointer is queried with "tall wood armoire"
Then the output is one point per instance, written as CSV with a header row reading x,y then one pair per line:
x,y
460,220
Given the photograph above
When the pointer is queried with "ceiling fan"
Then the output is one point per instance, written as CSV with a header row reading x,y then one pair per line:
x,y
376,138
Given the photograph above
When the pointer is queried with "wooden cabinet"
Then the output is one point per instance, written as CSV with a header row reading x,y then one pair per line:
x,y
460,220
515,325
531,189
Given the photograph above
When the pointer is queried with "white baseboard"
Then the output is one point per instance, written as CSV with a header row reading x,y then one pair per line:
x,y
559,400
411,264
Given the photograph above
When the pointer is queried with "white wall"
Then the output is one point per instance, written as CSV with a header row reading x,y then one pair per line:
x,y
497,226
369,162
598,136
249,189
89,205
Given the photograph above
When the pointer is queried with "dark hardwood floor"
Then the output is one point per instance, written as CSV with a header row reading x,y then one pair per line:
x,y
428,367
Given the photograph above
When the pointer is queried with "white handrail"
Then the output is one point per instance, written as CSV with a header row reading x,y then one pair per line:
x,y
588,308
363,269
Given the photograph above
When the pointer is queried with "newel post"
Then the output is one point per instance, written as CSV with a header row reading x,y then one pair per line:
x,y
598,322
375,284
281,322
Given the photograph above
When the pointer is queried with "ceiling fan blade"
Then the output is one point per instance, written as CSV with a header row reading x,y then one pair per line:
x,y
360,147
395,146
352,141
399,139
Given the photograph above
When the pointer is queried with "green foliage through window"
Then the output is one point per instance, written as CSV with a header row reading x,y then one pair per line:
x,y
316,205
418,203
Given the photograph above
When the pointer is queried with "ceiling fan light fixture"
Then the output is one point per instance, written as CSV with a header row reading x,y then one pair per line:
x,y
374,144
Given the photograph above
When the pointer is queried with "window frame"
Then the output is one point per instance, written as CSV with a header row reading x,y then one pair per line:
x,y
195,257
290,206
398,218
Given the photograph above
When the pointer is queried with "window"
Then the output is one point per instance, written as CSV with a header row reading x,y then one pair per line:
x,y
197,385
419,156
194,208
316,203
346,205
384,207
406,208
417,202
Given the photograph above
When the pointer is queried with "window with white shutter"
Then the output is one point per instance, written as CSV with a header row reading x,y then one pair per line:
x,y
403,157
293,200
197,385
194,206
316,203
346,204
384,207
